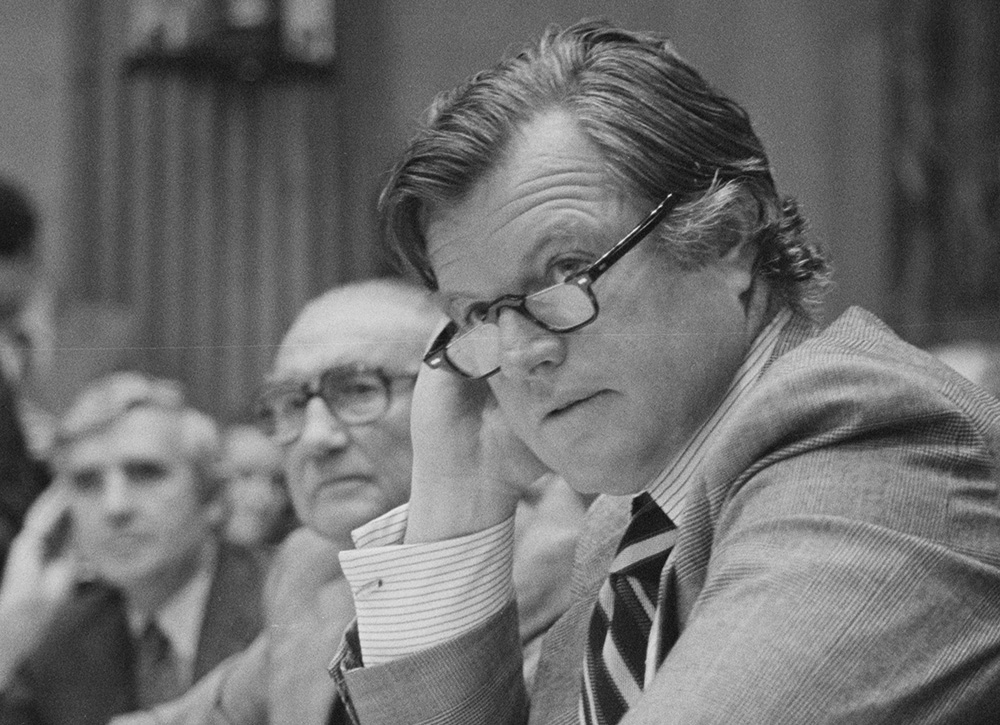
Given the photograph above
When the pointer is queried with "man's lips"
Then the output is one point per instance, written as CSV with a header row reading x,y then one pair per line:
x,y
126,542
343,481
570,404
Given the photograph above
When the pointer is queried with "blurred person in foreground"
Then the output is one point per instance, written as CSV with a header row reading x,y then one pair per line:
x,y
800,525
258,509
22,475
337,401
118,594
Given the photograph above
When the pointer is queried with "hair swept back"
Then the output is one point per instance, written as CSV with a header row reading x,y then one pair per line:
x,y
106,400
660,127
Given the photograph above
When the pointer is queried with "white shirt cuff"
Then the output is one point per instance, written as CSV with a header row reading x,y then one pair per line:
x,y
410,597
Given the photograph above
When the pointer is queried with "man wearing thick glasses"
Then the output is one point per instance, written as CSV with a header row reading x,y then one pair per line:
x,y
798,525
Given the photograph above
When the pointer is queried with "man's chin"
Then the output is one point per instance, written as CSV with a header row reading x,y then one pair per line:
x,y
619,480
127,576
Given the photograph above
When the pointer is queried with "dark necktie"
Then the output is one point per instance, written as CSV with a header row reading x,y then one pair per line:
x,y
615,665
157,672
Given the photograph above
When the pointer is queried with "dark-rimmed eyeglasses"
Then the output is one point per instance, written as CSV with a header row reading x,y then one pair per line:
x,y
474,350
354,396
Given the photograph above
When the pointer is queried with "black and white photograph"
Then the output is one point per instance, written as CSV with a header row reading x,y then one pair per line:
x,y
454,362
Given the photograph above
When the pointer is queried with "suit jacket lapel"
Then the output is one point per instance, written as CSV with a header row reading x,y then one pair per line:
x,y
675,607
83,671
557,682
233,611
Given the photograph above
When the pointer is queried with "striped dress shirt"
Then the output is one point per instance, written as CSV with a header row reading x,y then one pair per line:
x,y
410,597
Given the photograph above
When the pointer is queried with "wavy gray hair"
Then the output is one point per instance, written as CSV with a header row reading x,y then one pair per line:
x,y
110,398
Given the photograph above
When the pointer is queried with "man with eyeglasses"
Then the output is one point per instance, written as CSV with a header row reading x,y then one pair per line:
x,y
797,525
337,402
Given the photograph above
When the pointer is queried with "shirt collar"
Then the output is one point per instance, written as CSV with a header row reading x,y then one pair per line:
x,y
669,488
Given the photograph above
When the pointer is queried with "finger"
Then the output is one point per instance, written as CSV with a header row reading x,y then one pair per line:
x,y
46,512
518,464
59,577
448,399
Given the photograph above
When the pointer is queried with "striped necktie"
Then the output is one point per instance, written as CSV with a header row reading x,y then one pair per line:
x,y
615,664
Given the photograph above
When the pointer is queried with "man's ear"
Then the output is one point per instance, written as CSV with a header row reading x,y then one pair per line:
x,y
737,264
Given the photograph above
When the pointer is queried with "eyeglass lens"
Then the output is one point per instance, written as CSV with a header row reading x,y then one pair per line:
x,y
559,308
353,398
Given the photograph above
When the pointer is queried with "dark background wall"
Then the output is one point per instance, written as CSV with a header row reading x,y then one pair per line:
x,y
188,221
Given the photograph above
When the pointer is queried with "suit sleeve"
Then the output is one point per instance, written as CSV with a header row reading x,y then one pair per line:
x,y
850,585
474,678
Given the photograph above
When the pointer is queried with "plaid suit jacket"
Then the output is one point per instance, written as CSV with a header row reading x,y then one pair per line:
x,y
838,562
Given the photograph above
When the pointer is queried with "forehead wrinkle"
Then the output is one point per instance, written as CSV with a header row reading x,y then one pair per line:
x,y
554,174
573,194
355,329
551,177
142,433
305,358
565,222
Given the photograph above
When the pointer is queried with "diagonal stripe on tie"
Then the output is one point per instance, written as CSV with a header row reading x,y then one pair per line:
x,y
607,700
615,660
630,628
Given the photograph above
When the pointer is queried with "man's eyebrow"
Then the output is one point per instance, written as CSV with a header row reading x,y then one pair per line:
x,y
87,473
144,458
347,368
85,470
555,239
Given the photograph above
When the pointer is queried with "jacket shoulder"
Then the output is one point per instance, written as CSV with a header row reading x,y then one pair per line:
x,y
858,377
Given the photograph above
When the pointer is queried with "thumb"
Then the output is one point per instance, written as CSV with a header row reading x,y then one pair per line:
x,y
515,463
58,578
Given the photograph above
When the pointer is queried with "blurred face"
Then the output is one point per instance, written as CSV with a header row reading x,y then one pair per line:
x,y
610,405
341,476
255,495
17,284
137,516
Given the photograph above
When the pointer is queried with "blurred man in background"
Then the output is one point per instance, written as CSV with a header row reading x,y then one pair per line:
x,y
21,476
258,509
119,596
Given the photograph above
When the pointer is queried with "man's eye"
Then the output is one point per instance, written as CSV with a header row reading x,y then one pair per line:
x,y
283,404
358,388
145,471
475,314
562,269
86,481
361,387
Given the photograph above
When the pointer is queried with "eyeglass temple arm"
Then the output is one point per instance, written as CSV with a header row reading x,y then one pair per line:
x,y
632,238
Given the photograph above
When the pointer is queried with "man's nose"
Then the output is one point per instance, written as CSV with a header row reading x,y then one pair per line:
x,y
118,495
526,348
321,430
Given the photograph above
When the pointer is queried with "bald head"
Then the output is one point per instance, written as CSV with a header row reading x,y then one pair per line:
x,y
342,474
375,323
